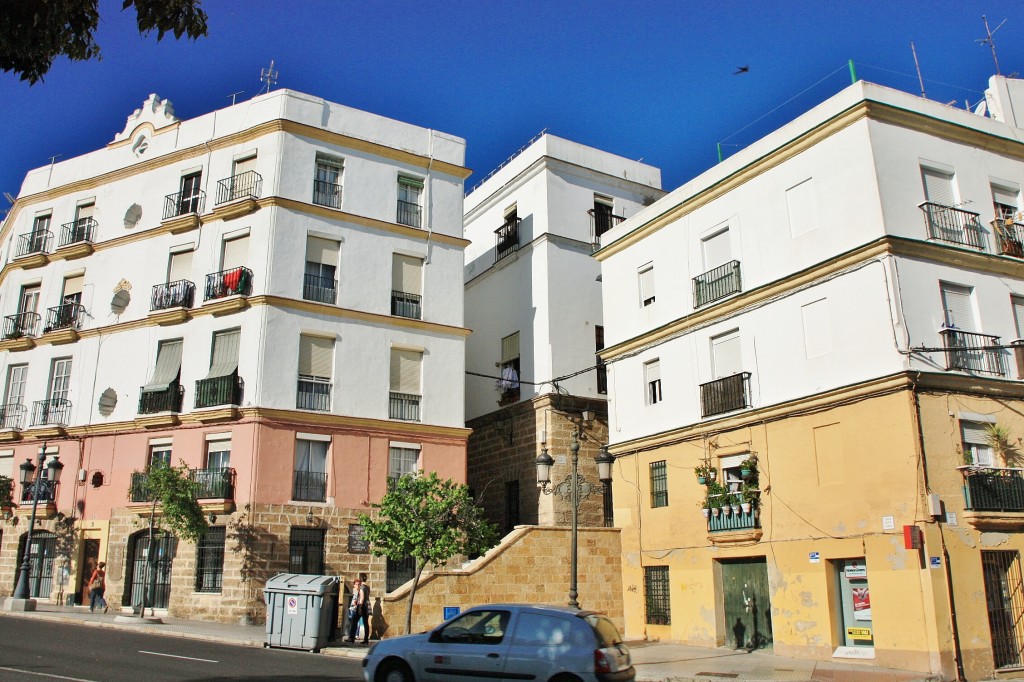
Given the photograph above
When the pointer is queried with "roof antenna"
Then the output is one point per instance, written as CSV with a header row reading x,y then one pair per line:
x,y
268,77
233,95
918,67
990,41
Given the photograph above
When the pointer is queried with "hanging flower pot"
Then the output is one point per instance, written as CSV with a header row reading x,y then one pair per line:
x,y
713,474
745,473
707,512
702,479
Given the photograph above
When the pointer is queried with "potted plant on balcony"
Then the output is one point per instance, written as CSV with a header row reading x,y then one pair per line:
x,y
6,496
998,438
704,471
749,492
1011,245
714,500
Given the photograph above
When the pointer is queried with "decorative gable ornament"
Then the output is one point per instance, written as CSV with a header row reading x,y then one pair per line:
x,y
155,114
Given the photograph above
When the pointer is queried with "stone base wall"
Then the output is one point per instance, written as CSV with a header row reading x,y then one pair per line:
x,y
530,565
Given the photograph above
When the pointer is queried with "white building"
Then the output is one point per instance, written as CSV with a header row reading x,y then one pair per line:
x,y
533,301
270,290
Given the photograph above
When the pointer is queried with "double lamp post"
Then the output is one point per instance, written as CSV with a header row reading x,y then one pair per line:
x,y
40,478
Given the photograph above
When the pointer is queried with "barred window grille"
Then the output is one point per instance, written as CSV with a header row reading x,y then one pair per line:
x,y
659,484
1004,592
657,608
306,551
210,560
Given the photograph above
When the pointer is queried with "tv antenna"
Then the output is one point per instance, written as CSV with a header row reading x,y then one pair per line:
x,y
233,95
990,41
268,77
918,67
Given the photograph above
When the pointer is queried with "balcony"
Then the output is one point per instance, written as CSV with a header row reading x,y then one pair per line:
x,y
168,400
406,305
409,214
993,498
953,225
326,194
404,406
226,390
970,352
725,395
47,492
506,239
21,325
1009,237
233,282
53,412
39,241
601,222
184,203
12,416
313,394
76,238
717,283
309,486
320,289
64,316
247,185
179,294
218,484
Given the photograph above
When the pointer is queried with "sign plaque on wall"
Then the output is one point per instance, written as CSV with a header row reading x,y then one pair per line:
x,y
357,543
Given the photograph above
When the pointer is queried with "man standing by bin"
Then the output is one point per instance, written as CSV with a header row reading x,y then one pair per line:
x,y
360,609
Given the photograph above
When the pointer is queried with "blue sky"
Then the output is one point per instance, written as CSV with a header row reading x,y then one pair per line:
x,y
649,79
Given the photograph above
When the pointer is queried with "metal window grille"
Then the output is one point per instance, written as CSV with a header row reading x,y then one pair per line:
x,y
306,551
1004,592
657,608
210,560
400,572
41,556
659,484
607,509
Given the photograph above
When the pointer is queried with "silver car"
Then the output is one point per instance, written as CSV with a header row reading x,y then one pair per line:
x,y
506,642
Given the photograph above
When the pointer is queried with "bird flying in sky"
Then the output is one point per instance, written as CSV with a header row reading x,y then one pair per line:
x,y
741,69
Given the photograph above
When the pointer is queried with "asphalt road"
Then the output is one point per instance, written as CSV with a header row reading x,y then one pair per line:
x,y
38,650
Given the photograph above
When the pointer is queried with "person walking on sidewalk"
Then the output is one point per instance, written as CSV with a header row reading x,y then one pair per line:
x,y
97,586
360,610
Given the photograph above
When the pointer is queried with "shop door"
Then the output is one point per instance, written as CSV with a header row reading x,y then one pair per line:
x,y
90,556
40,557
152,569
856,629
748,609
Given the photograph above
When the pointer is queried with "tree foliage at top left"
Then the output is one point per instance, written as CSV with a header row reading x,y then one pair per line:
x,y
35,32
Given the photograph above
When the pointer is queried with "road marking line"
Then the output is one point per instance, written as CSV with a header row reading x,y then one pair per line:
x,y
56,677
187,658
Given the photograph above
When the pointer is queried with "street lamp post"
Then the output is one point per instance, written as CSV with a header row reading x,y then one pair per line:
x,y
575,488
38,477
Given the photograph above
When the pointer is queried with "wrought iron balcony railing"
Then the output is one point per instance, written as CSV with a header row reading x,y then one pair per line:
x,y
321,289
953,225
717,283
37,241
313,394
52,412
168,400
734,520
12,416
406,305
404,406
326,194
409,214
64,316
247,185
309,486
179,294
971,352
601,222
1010,237
236,281
506,239
725,394
21,324
183,203
215,484
47,492
226,390
81,230
993,489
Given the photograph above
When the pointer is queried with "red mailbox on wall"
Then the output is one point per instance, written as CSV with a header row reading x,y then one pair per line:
x,y
911,537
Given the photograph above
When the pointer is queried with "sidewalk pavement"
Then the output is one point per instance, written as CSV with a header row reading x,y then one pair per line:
x,y
654,661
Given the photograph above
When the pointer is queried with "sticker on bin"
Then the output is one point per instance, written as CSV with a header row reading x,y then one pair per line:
x,y
293,605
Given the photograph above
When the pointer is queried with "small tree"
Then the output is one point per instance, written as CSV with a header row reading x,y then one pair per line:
x,y
429,519
6,492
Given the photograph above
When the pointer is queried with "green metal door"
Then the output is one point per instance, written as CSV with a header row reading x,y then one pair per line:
x,y
748,609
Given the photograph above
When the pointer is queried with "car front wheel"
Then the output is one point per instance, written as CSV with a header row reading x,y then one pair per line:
x,y
394,671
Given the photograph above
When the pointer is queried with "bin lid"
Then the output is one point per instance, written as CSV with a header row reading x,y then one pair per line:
x,y
301,583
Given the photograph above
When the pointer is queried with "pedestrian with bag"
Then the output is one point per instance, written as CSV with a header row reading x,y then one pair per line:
x,y
97,586
360,609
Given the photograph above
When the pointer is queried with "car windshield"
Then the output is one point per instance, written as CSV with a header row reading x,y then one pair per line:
x,y
607,633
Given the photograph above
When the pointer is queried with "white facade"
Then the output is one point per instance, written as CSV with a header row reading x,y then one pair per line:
x,y
544,285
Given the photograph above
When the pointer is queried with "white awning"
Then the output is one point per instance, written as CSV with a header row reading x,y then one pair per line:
x,y
225,354
168,365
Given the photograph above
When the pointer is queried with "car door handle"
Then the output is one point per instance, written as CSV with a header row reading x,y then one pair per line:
x,y
492,655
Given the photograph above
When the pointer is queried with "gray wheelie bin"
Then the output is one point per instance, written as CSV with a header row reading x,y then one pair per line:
x,y
300,609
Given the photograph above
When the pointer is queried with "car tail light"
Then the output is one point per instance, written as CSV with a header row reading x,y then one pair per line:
x,y
601,662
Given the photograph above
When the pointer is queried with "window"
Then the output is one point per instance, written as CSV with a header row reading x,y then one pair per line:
x,y
511,505
607,506
1004,202
957,308
659,484
163,391
404,402
409,191
210,560
604,218
82,228
327,183
938,187
483,627
403,461
29,301
657,608
320,282
39,239
244,181
221,386
316,361
725,354
602,369
506,237
1003,586
310,470
306,551
646,280
218,454
509,372
60,379
652,379
235,253
716,249
190,198
159,455
1018,314
976,446
406,286
15,392
179,266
